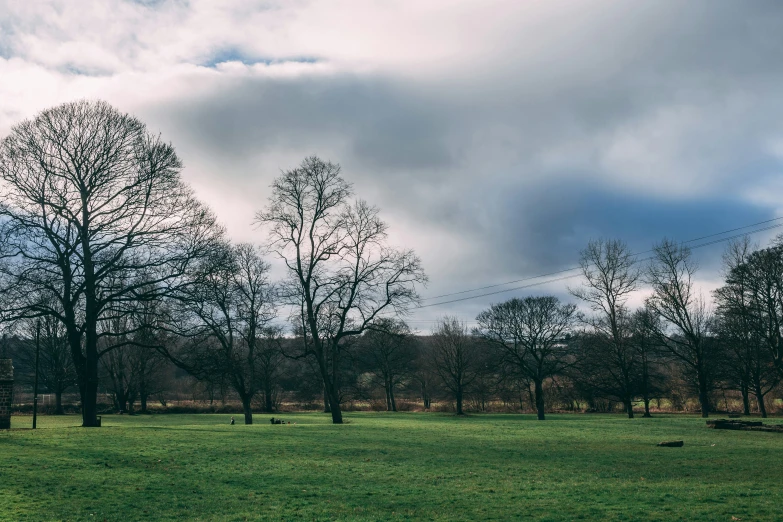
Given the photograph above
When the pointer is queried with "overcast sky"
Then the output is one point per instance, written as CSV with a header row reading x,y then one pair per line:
x,y
497,137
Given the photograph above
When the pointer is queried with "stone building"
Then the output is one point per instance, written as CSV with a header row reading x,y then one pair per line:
x,y
6,392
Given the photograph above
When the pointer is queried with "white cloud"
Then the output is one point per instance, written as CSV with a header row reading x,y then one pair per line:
x,y
492,133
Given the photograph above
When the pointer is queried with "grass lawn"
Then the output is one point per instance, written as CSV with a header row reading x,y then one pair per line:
x,y
404,466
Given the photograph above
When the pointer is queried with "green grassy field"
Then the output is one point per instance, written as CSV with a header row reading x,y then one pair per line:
x,y
388,467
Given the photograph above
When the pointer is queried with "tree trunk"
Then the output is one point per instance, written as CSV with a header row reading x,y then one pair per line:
x,y
540,398
459,401
391,397
745,400
247,409
90,390
628,403
704,399
331,385
760,400
58,401
388,395
143,399
269,407
90,405
334,406
121,401
425,396
647,407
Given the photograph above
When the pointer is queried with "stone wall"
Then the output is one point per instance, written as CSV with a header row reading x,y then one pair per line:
x,y
6,392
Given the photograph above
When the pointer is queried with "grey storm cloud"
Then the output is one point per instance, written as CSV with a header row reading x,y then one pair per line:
x,y
496,148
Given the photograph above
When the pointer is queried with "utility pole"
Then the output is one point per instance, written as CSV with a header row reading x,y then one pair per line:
x,y
35,385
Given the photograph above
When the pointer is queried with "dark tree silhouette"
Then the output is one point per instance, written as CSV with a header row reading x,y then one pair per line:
x,y
342,273
750,307
56,372
611,275
652,381
388,353
531,334
685,331
225,315
92,214
458,358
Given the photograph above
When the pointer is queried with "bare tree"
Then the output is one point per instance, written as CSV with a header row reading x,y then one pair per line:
x,y
765,269
226,316
342,273
531,333
750,312
130,358
90,198
150,367
611,275
56,371
457,357
388,353
425,374
685,330
645,324
119,377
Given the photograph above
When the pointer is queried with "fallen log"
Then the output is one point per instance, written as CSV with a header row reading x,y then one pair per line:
x,y
723,424
774,429
671,444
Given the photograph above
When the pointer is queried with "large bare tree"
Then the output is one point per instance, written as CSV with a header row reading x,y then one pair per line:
x,y
685,329
531,334
610,276
93,213
342,274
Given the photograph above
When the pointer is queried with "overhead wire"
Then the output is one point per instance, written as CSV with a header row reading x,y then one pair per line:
x,y
539,283
566,270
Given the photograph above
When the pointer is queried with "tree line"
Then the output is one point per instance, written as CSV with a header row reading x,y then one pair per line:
x,y
126,280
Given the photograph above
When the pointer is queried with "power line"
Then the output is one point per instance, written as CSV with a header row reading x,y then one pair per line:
x,y
578,267
770,227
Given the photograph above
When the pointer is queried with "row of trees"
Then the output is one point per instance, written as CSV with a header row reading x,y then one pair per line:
x,y
106,250
99,235
521,349
464,367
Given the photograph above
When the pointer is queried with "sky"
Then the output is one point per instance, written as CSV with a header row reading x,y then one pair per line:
x,y
497,137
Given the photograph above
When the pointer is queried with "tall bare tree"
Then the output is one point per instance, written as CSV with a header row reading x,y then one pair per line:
x,y
531,334
610,276
89,198
687,321
342,273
